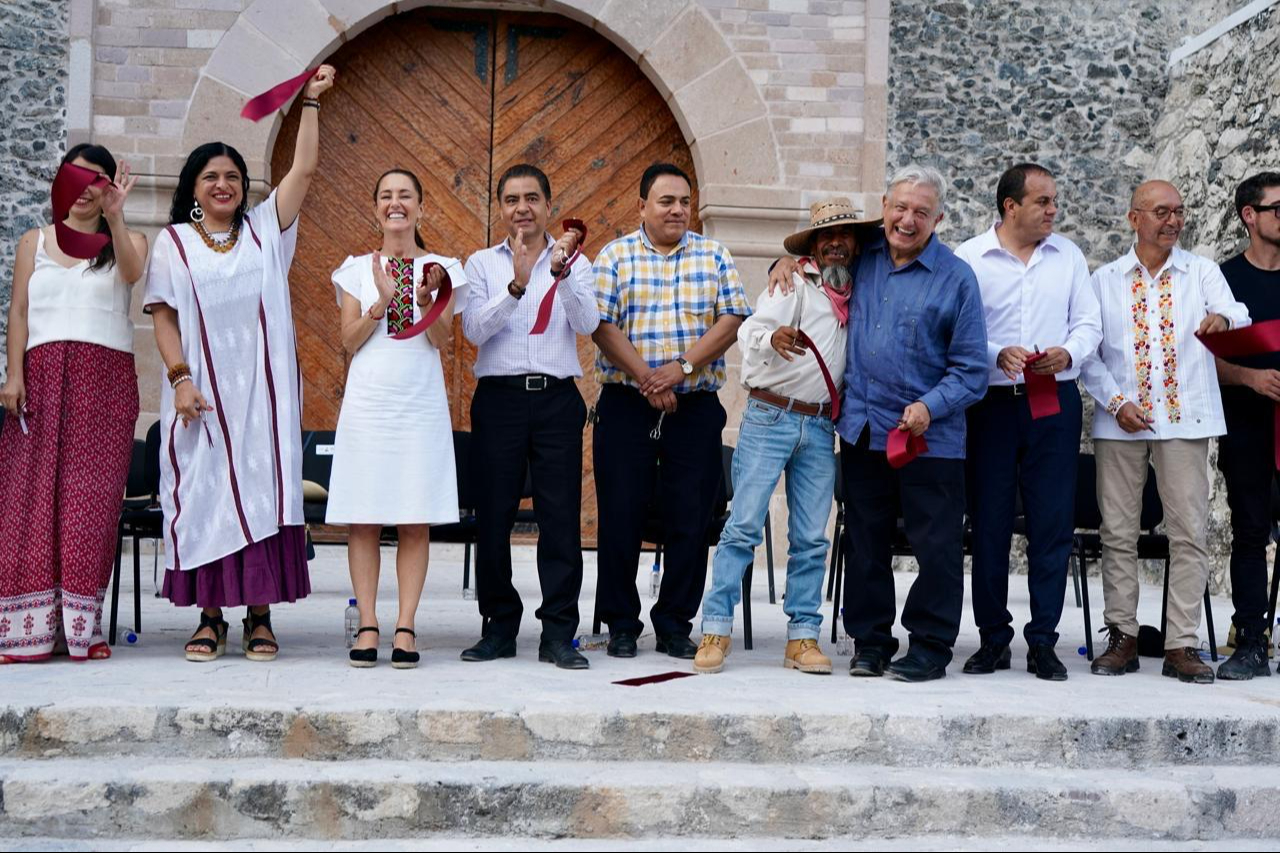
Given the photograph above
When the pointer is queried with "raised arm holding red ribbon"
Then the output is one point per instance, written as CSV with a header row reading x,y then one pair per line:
x,y
71,405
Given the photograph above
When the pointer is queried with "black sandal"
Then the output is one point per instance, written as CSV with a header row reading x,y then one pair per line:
x,y
400,659
210,649
253,649
364,658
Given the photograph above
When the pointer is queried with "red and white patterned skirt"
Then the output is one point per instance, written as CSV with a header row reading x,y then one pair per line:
x,y
61,488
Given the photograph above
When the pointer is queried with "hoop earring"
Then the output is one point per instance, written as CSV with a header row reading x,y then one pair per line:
x,y
197,212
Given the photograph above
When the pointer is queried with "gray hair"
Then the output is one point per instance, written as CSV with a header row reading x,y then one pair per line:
x,y
917,174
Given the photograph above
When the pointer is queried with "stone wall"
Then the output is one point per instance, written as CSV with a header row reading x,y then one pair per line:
x,y
977,85
33,77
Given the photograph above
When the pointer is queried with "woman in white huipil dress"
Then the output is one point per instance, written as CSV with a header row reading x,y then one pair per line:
x,y
71,406
393,453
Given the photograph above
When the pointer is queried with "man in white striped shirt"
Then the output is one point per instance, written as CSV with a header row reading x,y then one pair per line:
x,y
527,414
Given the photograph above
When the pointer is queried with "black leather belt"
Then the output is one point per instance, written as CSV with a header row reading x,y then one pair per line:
x,y
526,381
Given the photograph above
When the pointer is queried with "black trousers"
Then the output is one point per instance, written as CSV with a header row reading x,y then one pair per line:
x,y
1009,452
929,496
1246,457
513,430
627,460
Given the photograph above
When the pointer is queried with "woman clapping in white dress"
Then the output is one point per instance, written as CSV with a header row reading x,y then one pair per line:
x,y
393,453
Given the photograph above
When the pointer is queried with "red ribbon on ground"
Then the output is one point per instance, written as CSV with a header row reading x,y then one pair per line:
x,y
277,96
437,307
834,392
653,679
548,301
1259,339
69,183
902,447
1042,390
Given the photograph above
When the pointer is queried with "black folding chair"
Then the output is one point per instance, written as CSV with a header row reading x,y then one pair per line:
x,y
140,518
1275,566
1151,545
465,529
317,466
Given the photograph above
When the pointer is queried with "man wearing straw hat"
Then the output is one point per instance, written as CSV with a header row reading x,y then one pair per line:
x,y
793,355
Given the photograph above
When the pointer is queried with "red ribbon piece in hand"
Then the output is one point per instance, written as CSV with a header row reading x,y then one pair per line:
x,y
1042,390
548,301
277,96
902,447
69,183
1259,339
437,307
832,391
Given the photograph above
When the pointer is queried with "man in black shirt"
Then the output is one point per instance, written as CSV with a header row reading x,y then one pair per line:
x,y
1246,454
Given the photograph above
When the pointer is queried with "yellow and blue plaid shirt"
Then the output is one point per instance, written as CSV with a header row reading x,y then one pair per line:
x,y
664,303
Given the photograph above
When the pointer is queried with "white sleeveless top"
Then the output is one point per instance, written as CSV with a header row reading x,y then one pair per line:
x,y
77,304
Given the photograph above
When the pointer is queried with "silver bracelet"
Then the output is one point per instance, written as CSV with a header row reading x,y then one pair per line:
x,y
186,377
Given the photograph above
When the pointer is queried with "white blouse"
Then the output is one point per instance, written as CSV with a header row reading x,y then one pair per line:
x,y
1149,355
77,304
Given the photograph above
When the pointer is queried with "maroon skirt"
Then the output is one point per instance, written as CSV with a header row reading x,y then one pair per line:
x,y
267,572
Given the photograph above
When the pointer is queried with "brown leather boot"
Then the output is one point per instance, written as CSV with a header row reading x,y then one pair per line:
x,y
805,656
1121,655
1185,665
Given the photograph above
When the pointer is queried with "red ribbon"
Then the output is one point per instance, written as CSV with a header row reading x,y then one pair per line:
x,y
69,183
548,301
437,307
1042,390
276,97
902,447
832,391
1259,339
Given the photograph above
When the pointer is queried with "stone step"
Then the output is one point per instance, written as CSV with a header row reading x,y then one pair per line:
x,y
748,844
932,738
257,798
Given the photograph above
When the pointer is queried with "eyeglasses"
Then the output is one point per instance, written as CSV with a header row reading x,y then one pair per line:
x,y
1163,213
1263,208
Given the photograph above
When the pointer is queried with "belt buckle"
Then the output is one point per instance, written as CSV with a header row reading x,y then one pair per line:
x,y
1019,390
535,383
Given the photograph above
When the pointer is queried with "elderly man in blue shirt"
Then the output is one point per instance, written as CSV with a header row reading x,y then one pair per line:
x,y
917,360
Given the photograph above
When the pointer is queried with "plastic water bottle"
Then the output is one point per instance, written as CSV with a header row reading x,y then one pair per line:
x,y
590,642
130,637
655,580
844,643
468,593
351,622
1082,651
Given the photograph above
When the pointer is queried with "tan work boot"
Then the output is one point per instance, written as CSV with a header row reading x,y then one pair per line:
x,y
1121,655
805,656
1185,665
711,654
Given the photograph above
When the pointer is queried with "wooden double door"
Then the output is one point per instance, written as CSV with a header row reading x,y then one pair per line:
x,y
457,97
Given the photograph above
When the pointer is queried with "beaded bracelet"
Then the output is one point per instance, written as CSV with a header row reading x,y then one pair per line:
x,y
311,102
179,369
186,377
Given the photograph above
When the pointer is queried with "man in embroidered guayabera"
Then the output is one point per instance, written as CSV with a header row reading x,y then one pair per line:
x,y
1042,318
1158,404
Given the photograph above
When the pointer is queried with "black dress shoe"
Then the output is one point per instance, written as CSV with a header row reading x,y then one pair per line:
x,y
621,646
491,647
1043,663
868,663
914,667
677,647
562,654
988,658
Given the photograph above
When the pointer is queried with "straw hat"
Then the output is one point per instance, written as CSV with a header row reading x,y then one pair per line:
x,y
826,214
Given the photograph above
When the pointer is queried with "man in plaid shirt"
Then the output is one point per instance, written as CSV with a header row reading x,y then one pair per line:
x,y
670,305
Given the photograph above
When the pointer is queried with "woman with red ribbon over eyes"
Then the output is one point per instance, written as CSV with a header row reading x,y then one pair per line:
x,y
393,453
71,404
231,448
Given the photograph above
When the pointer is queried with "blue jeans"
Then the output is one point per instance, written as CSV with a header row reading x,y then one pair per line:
x,y
772,441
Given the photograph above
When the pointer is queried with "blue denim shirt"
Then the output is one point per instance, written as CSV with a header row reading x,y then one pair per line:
x,y
915,333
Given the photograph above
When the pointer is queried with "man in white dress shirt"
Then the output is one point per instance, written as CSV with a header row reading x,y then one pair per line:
x,y
1036,298
787,426
527,414
1158,401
